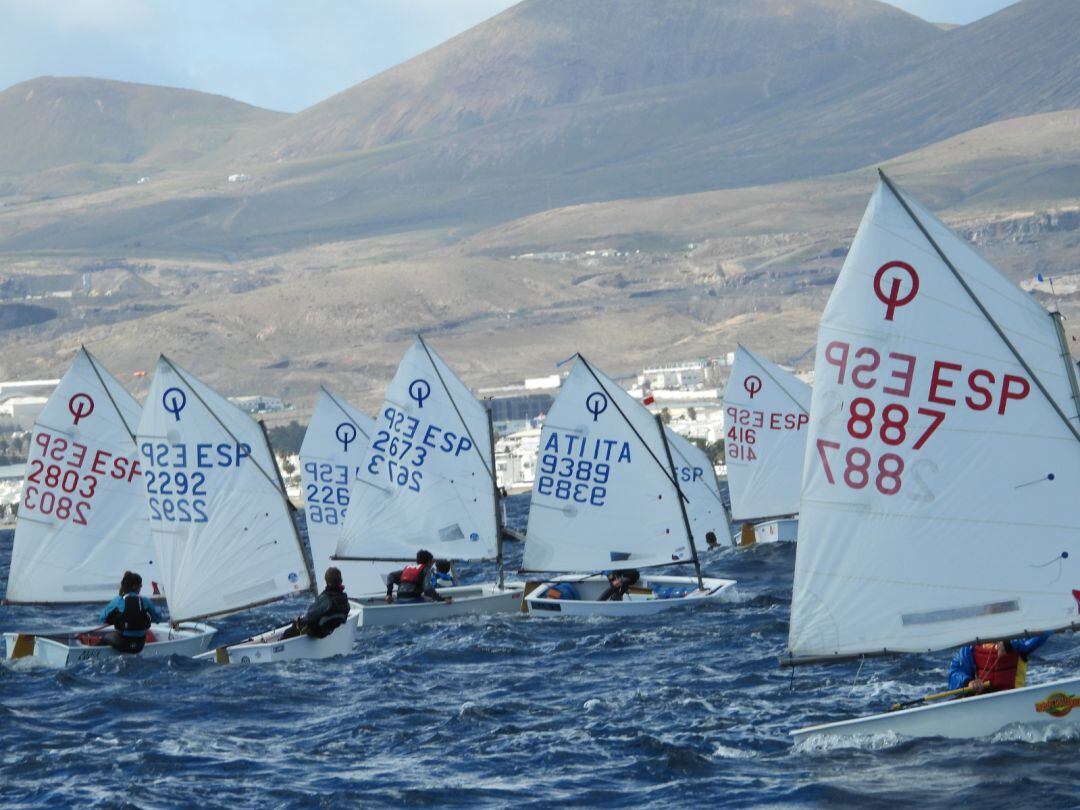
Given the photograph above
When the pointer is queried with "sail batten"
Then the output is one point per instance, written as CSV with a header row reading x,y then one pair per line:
x,y
765,416
937,502
215,512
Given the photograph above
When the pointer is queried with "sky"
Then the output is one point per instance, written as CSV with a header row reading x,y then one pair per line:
x,y
280,54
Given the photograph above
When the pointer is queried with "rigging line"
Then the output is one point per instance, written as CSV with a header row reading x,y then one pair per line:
x,y
979,304
630,424
464,424
778,383
224,427
108,393
341,408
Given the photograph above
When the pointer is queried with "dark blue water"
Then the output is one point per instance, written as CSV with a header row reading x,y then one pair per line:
x,y
687,708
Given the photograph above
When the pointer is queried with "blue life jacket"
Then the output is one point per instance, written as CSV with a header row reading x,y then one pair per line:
x,y
441,580
565,589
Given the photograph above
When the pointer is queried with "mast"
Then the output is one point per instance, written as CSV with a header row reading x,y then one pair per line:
x,y
498,501
1066,358
682,502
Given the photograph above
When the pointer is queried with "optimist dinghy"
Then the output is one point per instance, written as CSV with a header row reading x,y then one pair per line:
x,y
938,503
766,410
428,481
66,647
82,520
220,516
273,648
331,456
607,495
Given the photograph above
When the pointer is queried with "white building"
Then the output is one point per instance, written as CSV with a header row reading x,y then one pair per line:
x,y
515,459
258,404
22,412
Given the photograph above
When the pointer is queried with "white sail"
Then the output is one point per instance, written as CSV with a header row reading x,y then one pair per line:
x,y
766,410
218,511
333,450
426,480
697,480
82,518
603,496
939,491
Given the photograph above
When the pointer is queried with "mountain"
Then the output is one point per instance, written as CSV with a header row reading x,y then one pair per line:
x,y
51,123
542,54
636,281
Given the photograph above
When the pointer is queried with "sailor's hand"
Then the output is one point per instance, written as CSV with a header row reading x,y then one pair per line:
x,y
389,599
976,686
448,600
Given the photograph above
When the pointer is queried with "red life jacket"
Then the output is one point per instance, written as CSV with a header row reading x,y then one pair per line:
x,y
413,575
1006,670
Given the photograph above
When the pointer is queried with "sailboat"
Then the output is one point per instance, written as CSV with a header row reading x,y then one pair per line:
x,y
710,520
943,458
428,482
333,452
766,410
225,536
82,521
608,496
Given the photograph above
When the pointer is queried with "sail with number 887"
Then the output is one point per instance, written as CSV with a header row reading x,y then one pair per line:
x,y
943,461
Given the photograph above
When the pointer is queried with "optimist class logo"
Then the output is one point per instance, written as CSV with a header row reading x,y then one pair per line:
x,y
752,384
80,406
892,297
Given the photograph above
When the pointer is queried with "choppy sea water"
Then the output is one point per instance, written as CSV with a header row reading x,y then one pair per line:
x,y
686,708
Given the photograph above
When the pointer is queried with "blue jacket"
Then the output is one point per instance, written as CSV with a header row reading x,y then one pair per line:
x,y
117,603
962,668
441,580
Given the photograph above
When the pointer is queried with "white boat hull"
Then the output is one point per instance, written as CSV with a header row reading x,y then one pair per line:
x,y
785,530
641,601
270,648
485,598
1054,703
62,648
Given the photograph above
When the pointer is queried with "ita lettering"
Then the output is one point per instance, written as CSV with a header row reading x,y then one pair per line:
x,y
65,476
577,468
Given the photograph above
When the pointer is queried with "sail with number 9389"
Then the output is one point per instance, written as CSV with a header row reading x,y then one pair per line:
x,y
943,457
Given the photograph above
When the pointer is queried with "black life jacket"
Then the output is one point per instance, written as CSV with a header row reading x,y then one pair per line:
x,y
134,618
336,616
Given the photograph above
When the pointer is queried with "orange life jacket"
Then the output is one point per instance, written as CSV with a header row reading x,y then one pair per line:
x,y
1005,670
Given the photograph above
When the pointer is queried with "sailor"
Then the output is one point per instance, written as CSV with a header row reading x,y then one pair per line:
x,y
443,576
131,615
1002,665
619,584
329,611
414,581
